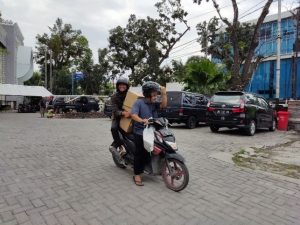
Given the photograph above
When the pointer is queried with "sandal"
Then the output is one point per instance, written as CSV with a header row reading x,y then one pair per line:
x,y
137,182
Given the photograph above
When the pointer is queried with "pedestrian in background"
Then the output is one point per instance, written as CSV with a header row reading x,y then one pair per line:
x,y
42,105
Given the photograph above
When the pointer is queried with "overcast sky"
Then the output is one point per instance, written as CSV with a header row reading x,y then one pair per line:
x,y
96,17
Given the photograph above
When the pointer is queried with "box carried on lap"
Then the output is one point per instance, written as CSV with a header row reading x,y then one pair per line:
x,y
131,97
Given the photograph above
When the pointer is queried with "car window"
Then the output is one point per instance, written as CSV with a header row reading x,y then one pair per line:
x,y
92,100
188,99
200,100
82,100
263,103
174,98
251,99
233,99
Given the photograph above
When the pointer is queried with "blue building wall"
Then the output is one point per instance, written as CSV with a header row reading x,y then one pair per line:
x,y
264,78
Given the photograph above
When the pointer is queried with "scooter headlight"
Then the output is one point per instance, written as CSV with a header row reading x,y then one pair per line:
x,y
173,145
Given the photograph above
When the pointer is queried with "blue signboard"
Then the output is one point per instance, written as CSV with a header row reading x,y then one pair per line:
x,y
78,76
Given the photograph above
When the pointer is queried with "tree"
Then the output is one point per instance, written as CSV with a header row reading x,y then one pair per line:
x,y
201,75
241,75
207,32
68,48
96,76
35,80
63,82
217,45
142,46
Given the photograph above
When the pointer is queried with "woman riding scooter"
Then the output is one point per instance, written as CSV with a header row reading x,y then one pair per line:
x,y
117,100
142,110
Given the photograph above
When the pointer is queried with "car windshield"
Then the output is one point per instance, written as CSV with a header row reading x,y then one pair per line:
x,y
233,99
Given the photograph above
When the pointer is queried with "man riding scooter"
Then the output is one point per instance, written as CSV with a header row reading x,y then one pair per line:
x,y
117,100
142,110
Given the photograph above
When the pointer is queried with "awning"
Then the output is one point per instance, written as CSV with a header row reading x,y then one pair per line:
x,y
22,90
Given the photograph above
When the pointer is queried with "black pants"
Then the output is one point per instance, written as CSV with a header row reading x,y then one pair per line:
x,y
115,133
141,156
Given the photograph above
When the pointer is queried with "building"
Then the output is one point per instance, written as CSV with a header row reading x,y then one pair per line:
x,y
264,79
16,60
16,65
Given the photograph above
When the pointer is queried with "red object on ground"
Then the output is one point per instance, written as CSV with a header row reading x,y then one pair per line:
x,y
283,119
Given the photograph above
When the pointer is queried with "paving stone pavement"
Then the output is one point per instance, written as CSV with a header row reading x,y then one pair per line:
x,y
59,171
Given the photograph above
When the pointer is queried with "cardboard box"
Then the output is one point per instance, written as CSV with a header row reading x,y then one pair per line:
x,y
130,99
127,123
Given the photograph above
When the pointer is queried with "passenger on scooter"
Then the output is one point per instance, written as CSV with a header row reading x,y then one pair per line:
x,y
142,110
117,100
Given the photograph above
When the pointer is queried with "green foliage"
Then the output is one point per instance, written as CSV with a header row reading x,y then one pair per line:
x,y
63,82
201,75
243,40
35,80
96,76
142,46
218,44
69,49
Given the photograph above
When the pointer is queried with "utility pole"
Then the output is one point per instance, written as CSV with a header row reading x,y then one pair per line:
x,y
72,76
50,72
295,61
278,51
46,77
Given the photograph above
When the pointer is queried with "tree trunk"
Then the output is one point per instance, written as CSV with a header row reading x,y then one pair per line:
x,y
247,70
235,82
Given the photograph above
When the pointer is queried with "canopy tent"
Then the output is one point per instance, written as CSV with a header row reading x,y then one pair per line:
x,y
22,90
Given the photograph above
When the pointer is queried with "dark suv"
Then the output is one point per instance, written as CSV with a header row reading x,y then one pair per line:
x,y
186,107
79,104
246,111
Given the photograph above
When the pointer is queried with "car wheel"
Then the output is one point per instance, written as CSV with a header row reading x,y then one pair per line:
x,y
252,128
214,128
191,122
273,127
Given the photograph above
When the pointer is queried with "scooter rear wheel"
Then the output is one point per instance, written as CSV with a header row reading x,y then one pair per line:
x,y
175,175
118,164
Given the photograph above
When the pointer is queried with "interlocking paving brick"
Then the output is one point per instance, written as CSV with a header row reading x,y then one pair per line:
x,y
60,172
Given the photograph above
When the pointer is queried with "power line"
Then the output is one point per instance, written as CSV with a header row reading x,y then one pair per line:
x,y
186,47
203,14
182,55
252,8
252,12
195,39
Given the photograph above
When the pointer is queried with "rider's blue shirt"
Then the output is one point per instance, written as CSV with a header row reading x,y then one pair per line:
x,y
145,110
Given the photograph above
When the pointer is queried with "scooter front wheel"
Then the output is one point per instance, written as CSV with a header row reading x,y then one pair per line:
x,y
175,174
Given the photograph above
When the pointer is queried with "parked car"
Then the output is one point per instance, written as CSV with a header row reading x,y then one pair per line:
x,y
108,108
28,108
246,111
186,107
79,104
57,103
